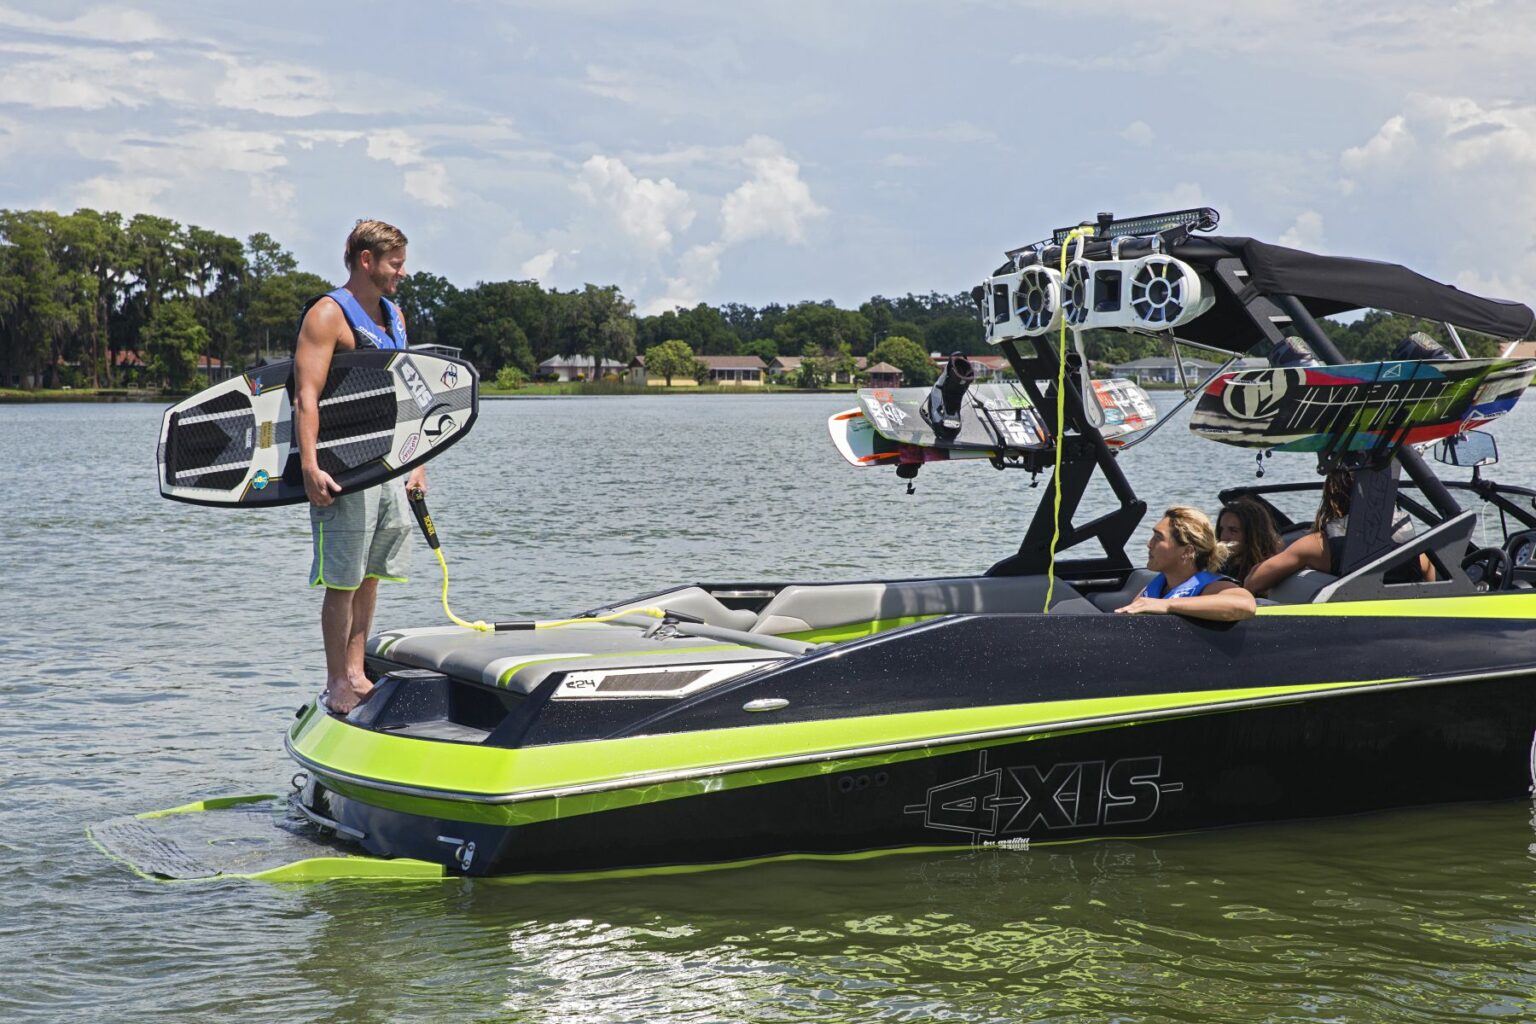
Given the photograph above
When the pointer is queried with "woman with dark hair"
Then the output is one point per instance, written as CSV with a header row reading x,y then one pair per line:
x,y
1323,548
1248,531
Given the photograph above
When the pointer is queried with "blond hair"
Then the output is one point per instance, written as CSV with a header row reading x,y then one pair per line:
x,y
1193,527
374,236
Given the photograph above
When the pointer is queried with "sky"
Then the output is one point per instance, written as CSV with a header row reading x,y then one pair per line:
x,y
775,152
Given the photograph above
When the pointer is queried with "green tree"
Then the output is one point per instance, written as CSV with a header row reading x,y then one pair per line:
x,y
173,341
159,259
277,306
908,356
824,327
485,322
956,334
422,297
267,258
35,294
670,359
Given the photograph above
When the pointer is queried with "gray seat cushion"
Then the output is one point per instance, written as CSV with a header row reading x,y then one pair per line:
x,y
1135,583
1301,588
799,607
697,601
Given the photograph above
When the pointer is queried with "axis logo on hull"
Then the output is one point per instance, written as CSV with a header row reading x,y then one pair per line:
x,y
998,802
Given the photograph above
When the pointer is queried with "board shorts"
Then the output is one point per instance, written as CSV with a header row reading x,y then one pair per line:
x,y
362,535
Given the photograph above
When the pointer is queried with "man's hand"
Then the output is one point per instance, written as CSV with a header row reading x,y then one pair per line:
x,y
319,487
417,481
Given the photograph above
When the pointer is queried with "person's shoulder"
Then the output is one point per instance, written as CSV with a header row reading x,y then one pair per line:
x,y
323,311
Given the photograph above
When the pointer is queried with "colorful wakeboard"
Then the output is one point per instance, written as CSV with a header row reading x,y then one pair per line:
x,y
994,416
1358,406
382,412
860,444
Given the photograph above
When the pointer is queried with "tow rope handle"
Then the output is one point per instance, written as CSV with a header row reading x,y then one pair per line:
x,y
418,500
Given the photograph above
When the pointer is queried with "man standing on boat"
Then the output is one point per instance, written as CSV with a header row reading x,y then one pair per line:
x,y
364,536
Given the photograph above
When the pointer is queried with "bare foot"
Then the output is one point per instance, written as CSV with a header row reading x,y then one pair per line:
x,y
345,694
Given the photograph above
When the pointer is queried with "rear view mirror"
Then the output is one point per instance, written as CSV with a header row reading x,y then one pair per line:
x,y
1472,449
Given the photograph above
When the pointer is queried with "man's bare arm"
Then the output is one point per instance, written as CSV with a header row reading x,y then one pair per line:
x,y
318,336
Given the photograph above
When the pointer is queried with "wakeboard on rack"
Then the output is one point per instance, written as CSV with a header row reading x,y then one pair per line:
x,y
860,444
1358,406
382,413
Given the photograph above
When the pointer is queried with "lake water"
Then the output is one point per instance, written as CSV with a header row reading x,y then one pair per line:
x,y
154,653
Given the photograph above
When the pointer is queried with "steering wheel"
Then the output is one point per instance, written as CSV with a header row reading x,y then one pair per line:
x,y
1489,569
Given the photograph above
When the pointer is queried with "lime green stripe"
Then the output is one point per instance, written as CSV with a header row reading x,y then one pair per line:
x,y
216,804
1478,606
322,869
487,771
855,630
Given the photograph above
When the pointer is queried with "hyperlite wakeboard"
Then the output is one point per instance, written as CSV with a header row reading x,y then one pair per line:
x,y
382,412
1358,406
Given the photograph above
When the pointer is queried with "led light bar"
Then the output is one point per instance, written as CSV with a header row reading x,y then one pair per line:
x,y
1202,218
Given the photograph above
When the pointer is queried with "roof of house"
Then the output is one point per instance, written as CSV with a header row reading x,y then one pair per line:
x,y
733,362
1163,363
578,362
883,368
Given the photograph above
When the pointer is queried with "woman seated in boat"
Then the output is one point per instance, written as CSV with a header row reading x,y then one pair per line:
x,y
1248,531
1323,548
1185,554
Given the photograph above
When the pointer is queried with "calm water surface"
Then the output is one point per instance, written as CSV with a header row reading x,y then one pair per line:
x,y
154,653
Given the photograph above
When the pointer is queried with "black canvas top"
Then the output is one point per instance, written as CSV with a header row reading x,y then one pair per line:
x,y
1335,284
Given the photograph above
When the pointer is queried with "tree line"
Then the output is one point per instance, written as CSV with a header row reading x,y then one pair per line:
x,y
78,290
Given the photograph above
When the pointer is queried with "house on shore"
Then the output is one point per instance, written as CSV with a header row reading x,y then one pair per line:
x,y
735,371
569,368
883,375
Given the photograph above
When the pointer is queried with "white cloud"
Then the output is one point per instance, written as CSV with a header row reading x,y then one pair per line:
x,y
91,78
124,195
1138,133
1391,141
698,271
279,89
538,268
647,210
101,24
429,183
1306,232
775,203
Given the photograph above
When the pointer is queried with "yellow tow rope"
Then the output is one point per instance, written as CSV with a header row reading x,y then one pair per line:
x,y
1075,235
418,501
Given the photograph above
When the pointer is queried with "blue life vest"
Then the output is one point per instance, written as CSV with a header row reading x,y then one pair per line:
x,y
1191,587
365,332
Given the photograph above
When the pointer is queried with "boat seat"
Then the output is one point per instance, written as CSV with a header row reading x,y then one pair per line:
x,y
1301,588
801,607
696,601
1135,583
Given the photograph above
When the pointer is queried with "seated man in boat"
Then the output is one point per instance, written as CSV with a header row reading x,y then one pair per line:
x,y
1185,554
1323,548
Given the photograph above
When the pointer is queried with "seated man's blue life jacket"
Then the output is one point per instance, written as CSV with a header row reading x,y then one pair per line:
x,y
1191,587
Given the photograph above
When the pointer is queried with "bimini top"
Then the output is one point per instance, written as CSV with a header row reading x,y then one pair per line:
x,y
1327,285
1155,274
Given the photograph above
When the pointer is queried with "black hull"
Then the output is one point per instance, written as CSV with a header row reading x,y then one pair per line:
x,y
1315,757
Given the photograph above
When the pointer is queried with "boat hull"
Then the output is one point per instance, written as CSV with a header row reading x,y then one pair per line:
x,y
1286,757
